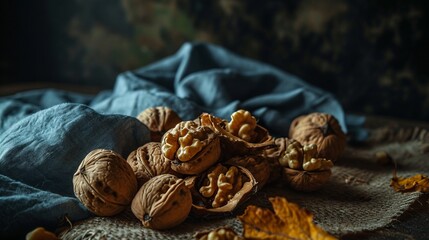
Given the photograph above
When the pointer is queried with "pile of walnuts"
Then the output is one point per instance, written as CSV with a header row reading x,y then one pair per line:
x,y
206,166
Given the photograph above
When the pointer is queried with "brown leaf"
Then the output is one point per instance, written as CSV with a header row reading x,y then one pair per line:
x,y
415,183
288,221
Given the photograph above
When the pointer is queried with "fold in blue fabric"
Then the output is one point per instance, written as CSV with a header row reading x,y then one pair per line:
x,y
45,134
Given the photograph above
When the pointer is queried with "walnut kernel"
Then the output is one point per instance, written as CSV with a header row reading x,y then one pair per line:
x,y
304,157
220,189
242,125
223,233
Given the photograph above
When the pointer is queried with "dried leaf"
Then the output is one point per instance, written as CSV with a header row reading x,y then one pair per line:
x,y
415,183
288,221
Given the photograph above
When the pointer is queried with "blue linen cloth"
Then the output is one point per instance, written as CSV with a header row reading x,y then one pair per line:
x,y
44,134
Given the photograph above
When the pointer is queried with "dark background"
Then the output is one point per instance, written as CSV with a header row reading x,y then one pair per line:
x,y
372,55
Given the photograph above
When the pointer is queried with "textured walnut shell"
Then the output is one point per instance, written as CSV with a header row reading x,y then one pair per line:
x,y
205,158
162,202
305,181
201,209
159,120
104,182
147,162
233,145
257,165
321,129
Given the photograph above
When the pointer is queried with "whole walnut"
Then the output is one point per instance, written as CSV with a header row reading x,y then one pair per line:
x,y
147,162
220,189
159,120
104,182
162,202
241,135
190,147
321,129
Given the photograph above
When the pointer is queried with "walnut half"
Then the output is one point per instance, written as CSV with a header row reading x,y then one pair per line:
x,y
242,135
302,169
190,147
220,189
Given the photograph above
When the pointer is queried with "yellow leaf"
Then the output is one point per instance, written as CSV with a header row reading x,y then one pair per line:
x,y
415,183
288,221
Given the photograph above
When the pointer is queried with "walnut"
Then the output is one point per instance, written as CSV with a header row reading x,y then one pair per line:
x,y
293,156
104,182
147,162
306,181
321,129
302,169
278,148
239,136
272,155
304,157
162,202
159,120
192,148
256,164
222,184
242,125
223,233
220,189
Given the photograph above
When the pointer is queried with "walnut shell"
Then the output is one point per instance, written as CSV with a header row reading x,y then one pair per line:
x,y
104,182
147,162
305,181
162,202
159,120
203,206
273,153
192,148
321,129
233,145
257,165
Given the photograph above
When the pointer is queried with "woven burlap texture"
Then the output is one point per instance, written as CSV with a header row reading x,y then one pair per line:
x,y
357,198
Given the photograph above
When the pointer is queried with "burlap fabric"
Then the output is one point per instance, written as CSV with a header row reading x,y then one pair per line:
x,y
358,197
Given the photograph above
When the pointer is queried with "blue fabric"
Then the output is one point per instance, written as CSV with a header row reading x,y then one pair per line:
x,y
44,134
